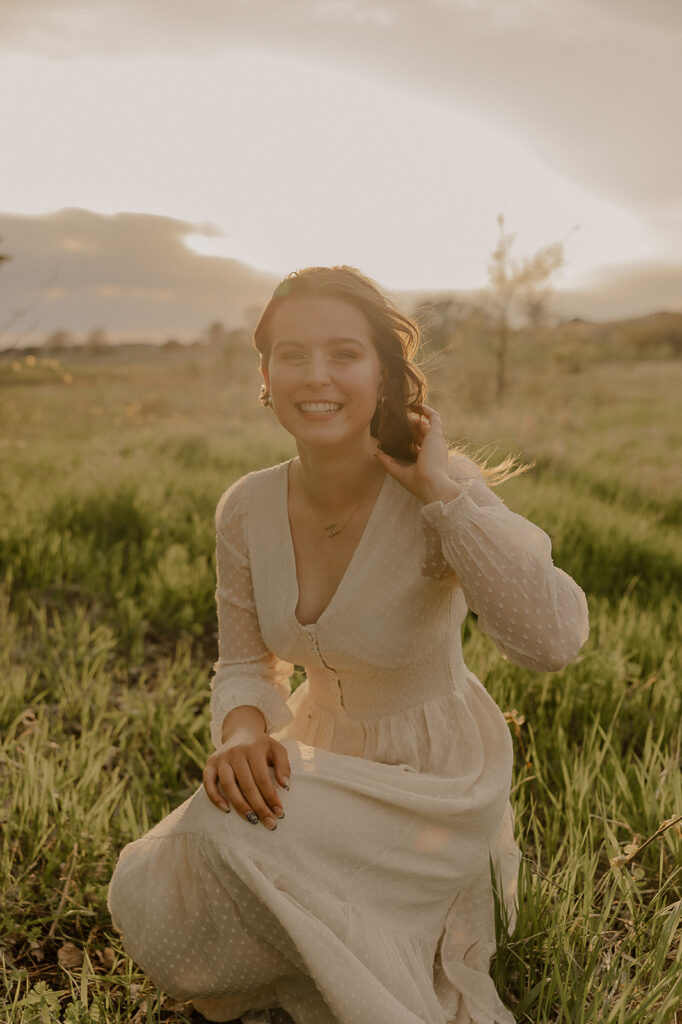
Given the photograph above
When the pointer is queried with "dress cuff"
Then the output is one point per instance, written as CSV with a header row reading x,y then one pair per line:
x,y
447,518
229,693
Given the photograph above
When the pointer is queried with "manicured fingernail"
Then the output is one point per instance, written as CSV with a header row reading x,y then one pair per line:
x,y
286,782
279,812
270,823
224,807
253,818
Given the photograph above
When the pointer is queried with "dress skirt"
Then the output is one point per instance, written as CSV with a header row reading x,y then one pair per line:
x,y
371,901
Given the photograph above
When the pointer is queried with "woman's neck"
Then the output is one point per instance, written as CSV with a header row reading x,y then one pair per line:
x,y
334,480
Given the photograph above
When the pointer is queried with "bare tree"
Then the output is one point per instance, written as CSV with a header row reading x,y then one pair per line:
x,y
97,338
215,334
58,340
519,289
19,314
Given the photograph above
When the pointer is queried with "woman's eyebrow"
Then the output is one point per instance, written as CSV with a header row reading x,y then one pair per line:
x,y
285,341
329,341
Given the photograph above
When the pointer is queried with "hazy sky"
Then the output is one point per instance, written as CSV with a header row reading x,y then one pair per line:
x,y
385,133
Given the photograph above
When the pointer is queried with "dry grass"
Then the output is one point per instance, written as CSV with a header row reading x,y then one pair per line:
x,y
107,634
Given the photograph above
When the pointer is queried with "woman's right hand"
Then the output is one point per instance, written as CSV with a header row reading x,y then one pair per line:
x,y
238,773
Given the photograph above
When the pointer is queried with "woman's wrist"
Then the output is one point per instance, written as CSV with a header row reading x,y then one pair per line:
x,y
440,488
244,720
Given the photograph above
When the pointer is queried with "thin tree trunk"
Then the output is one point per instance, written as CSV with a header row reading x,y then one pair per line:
x,y
502,339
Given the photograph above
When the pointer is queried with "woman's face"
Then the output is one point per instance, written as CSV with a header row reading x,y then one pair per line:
x,y
323,373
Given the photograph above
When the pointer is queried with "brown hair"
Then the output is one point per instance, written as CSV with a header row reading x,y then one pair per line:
x,y
395,337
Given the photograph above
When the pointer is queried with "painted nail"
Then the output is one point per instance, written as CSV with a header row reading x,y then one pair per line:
x,y
279,812
253,818
226,809
286,782
270,823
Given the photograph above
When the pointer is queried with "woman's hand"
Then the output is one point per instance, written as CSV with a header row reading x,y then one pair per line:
x,y
238,775
427,478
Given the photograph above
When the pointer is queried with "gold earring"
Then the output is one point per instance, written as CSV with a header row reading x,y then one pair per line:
x,y
264,396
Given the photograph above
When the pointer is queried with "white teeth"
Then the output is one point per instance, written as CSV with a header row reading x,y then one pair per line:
x,y
319,407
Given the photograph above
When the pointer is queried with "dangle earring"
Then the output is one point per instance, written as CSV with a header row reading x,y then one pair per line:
x,y
265,397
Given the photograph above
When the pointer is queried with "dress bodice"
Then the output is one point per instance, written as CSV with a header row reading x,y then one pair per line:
x,y
384,659
389,637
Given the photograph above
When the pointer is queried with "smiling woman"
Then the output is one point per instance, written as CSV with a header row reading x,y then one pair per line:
x,y
357,560
363,330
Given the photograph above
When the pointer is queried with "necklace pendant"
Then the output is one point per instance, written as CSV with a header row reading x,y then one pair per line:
x,y
332,530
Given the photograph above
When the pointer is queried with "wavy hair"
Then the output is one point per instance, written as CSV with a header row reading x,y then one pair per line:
x,y
395,337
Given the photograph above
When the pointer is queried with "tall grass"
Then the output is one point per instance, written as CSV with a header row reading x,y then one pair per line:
x,y
107,635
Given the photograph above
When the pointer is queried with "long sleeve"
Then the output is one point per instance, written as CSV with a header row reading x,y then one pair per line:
x,y
246,671
534,612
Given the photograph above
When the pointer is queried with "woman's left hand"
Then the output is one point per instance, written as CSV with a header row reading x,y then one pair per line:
x,y
427,478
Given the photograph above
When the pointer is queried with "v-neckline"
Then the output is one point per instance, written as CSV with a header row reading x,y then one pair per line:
x,y
291,553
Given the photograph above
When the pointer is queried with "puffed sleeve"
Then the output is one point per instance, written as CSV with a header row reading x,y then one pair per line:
x,y
246,671
535,613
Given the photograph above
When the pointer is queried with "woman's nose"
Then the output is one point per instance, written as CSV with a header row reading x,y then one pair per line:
x,y
317,369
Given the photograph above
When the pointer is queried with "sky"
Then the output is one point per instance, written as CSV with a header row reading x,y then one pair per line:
x,y
384,133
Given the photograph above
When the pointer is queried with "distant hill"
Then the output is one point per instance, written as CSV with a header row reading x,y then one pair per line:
x,y
656,333
131,277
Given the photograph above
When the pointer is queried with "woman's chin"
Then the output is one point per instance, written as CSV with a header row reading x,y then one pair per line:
x,y
327,439
316,429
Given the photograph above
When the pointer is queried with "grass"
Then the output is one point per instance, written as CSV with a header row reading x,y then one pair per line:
x,y
110,468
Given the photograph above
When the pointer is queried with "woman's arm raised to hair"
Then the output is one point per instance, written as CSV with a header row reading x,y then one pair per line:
x,y
535,613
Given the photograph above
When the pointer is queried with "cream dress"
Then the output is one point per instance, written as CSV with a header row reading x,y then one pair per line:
x,y
372,902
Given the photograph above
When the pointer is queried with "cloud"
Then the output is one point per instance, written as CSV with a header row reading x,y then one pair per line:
x,y
589,86
128,273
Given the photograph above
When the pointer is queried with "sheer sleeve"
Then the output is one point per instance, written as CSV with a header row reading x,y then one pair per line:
x,y
535,613
246,671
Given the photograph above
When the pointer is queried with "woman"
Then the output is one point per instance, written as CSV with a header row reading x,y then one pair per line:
x,y
371,902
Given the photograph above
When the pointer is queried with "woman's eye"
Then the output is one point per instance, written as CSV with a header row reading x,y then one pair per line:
x,y
292,357
344,354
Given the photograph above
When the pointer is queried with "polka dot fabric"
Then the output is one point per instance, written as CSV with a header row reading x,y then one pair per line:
x,y
372,900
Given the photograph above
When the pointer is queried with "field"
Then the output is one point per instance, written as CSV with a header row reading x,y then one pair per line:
x,y
111,463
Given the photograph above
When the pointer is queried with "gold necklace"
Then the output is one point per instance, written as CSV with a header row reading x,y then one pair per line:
x,y
331,529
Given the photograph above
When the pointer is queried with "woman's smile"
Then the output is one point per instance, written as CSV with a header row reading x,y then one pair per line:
x,y
319,409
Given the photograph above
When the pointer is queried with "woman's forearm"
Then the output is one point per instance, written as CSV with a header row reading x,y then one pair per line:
x,y
536,614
